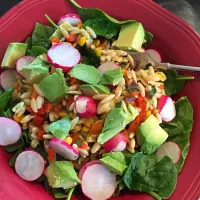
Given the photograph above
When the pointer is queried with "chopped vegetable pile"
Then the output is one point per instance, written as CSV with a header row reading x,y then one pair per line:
x,y
77,109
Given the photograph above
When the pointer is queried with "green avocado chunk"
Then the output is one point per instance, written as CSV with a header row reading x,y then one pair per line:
x,y
60,128
115,161
131,37
34,73
13,53
92,90
54,86
116,121
61,174
150,135
87,73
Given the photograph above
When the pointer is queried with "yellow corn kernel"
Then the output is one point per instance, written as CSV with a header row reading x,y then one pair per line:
x,y
161,76
124,71
148,113
80,25
96,43
85,129
77,128
62,114
68,140
71,115
98,51
18,119
88,122
82,41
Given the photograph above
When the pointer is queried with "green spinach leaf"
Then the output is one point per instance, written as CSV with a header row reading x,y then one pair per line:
x,y
14,147
153,91
4,101
13,159
29,43
7,112
36,51
41,35
180,134
146,175
103,27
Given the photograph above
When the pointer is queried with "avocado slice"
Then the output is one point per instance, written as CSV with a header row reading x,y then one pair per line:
x,y
54,86
92,90
150,135
13,53
131,37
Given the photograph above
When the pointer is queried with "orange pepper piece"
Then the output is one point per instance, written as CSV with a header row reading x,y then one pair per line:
x,y
96,127
34,94
51,154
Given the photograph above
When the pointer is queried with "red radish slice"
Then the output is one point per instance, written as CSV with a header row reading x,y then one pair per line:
x,y
154,55
8,79
73,19
63,149
117,143
98,182
29,165
10,131
63,56
24,61
106,67
85,166
170,149
85,106
166,108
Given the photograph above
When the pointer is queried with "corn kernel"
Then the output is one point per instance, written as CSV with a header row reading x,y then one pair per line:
x,y
88,122
148,113
77,128
18,119
80,25
96,43
71,115
82,41
68,140
62,114
161,76
124,71
85,129
97,51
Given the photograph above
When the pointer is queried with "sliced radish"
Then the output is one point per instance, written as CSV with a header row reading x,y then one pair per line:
x,y
98,182
166,108
154,55
73,19
170,149
85,166
106,67
24,61
29,165
85,106
117,143
63,149
8,78
10,131
63,56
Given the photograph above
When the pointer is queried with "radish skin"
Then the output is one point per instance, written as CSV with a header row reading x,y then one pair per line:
x,y
106,67
154,54
170,149
29,165
85,106
24,61
73,19
98,182
117,143
8,78
63,149
167,108
10,131
63,56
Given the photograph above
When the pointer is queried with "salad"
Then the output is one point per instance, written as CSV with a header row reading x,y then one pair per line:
x,y
80,113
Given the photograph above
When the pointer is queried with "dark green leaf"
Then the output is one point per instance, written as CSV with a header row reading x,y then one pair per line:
x,y
41,35
7,112
13,159
119,187
25,137
59,193
36,51
148,37
14,147
152,92
4,100
103,27
29,43
146,175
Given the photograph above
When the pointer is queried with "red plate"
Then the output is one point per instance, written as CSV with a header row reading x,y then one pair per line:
x,y
177,41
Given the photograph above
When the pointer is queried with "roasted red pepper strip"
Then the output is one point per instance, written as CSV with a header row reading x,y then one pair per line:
x,y
39,120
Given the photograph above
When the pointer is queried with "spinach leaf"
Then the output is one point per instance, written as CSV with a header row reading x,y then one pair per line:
x,y
103,27
29,43
180,134
146,175
13,159
91,13
41,35
175,82
25,137
36,51
4,100
8,112
153,91
14,147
